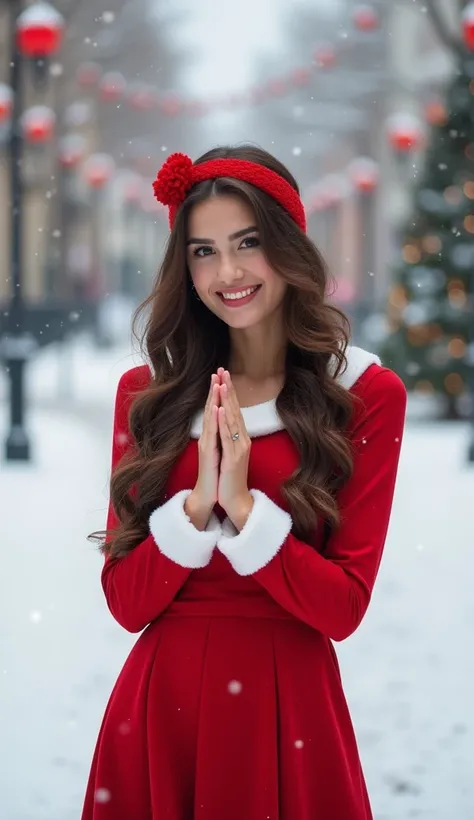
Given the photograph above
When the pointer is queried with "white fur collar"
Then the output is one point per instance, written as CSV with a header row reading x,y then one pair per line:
x,y
263,419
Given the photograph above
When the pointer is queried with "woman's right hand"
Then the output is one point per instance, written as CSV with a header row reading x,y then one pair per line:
x,y
200,503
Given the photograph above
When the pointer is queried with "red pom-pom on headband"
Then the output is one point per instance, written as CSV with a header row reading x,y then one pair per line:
x,y
178,174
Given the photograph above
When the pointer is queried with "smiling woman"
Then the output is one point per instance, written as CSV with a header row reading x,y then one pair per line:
x,y
253,469
230,270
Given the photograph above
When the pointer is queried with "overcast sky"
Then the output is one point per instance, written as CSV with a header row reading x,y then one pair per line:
x,y
229,34
226,39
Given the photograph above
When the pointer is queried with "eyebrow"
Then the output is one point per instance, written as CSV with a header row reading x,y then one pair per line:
x,y
243,231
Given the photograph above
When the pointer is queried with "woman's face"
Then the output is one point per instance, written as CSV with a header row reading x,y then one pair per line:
x,y
227,263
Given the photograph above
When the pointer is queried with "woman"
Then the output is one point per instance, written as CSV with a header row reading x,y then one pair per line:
x,y
254,463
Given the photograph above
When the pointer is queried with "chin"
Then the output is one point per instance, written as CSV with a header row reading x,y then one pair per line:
x,y
241,322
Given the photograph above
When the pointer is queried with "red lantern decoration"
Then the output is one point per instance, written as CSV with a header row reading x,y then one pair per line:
x,y
467,20
37,124
112,86
316,200
171,105
257,96
334,189
405,133
325,56
78,114
71,150
364,174
98,169
197,108
300,77
277,88
436,113
88,75
39,31
366,18
6,103
132,187
141,96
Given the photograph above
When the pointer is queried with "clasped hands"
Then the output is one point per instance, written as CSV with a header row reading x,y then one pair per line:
x,y
224,451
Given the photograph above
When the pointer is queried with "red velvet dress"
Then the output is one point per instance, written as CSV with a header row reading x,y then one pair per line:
x,y
230,705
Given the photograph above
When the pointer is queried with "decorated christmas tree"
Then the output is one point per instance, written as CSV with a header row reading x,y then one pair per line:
x,y
430,306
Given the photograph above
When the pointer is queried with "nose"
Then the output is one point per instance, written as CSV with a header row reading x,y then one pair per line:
x,y
229,273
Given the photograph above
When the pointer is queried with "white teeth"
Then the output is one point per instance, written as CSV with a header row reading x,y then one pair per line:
x,y
240,294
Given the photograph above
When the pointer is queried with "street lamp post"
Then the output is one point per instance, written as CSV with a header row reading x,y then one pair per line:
x,y
17,345
35,33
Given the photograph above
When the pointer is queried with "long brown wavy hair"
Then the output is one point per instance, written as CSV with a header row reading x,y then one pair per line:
x,y
185,343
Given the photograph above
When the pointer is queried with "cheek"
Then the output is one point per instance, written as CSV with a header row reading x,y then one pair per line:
x,y
275,286
201,277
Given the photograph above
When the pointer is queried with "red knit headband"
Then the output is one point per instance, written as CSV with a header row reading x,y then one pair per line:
x,y
178,174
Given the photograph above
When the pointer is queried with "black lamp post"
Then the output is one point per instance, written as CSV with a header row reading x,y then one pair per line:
x,y
35,34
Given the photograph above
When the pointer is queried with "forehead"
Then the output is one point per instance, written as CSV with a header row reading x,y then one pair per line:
x,y
219,215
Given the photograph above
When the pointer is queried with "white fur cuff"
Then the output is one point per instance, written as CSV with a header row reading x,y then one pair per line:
x,y
261,537
178,539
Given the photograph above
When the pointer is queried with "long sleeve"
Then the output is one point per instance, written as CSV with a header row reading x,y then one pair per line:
x,y
331,592
142,584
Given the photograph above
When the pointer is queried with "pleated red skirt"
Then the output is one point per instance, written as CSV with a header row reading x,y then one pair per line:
x,y
227,711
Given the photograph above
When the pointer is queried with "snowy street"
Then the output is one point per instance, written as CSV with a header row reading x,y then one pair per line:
x,y
408,671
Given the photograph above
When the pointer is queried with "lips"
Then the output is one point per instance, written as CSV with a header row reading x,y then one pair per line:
x,y
233,293
234,300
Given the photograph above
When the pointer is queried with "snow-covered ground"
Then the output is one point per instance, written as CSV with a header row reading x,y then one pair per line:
x,y
408,671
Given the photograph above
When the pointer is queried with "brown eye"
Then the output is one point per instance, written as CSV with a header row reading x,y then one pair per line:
x,y
253,242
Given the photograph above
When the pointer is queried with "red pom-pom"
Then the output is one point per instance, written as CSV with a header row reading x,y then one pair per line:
x,y
174,179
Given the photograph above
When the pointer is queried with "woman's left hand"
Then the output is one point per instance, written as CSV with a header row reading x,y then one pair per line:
x,y
232,491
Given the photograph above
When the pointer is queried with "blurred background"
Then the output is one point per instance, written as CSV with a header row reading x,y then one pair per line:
x,y
371,106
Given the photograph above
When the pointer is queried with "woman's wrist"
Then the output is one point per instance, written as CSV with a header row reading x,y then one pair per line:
x,y
197,512
241,511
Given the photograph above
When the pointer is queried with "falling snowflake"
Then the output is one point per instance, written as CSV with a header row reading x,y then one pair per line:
x,y
299,744
56,70
234,687
108,16
56,234
74,316
102,795
35,616
296,151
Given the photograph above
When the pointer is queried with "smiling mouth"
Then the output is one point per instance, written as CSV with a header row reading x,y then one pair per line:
x,y
240,297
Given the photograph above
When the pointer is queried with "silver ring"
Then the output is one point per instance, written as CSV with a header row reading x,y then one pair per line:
x,y
235,436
